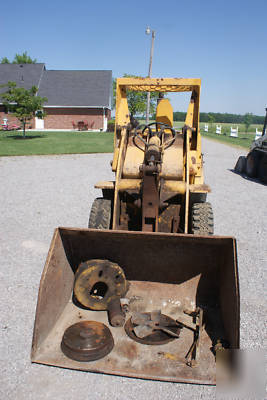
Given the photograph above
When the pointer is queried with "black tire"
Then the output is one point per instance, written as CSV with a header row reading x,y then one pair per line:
x,y
252,164
100,215
202,219
263,169
240,166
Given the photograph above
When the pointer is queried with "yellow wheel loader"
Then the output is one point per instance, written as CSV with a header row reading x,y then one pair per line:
x,y
159,185
147,291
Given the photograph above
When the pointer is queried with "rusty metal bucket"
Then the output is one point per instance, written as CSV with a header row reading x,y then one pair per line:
x,y
170,272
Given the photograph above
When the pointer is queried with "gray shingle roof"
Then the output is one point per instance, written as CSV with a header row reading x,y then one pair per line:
x,y
62,88
25,75
76,88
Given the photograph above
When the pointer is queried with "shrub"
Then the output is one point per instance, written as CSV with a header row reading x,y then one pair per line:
x,y
111,126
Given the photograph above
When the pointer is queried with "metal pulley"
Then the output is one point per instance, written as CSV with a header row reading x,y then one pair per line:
x,y
87,341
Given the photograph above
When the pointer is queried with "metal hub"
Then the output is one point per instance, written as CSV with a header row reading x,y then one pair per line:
x,y
87,341
97,282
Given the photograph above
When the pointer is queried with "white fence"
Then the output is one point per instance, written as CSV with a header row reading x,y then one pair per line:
x,y
234,132
218,129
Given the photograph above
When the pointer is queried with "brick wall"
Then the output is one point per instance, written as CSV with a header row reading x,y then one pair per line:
x,y
63,118
11,119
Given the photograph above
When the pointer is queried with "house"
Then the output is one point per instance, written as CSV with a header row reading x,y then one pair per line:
x,y
74,98
25,75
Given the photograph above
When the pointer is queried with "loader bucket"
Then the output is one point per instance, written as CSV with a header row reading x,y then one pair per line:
x,y
167,272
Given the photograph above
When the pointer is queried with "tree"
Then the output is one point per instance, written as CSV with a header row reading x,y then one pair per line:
x,y
248,120
211,119
136,100
23,59
5,60
179,116
19,59
23,104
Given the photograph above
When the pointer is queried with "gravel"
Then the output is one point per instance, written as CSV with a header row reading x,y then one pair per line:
x,y
39,193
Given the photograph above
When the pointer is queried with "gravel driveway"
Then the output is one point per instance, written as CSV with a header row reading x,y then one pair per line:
x,y
39,193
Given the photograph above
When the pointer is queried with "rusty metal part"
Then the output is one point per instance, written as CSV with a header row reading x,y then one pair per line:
x,y
152,328
149,322
115,313
130,213
87,341
125,304
167,272
192,357
150,185
150,203
97,282
199,329
221,344
153,151
190,360
124,215
169,218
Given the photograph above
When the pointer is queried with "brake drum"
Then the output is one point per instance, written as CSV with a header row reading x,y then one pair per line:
x,y
87,341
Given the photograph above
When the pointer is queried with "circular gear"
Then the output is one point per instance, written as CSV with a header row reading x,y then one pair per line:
x,y
97,282
87,341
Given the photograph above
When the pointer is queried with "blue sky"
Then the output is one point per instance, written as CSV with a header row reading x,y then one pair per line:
x,y
221,42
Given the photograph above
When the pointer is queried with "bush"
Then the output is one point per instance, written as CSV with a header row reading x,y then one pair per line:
x,y
111,126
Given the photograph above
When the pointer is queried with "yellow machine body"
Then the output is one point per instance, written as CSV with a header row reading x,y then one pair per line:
x,y
138,252
181,165
164,112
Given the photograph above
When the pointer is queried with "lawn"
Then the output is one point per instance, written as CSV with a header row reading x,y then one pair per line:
x,y
13,144
44,143
243,139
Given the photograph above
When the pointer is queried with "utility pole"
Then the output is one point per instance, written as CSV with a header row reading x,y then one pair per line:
x,y
149,70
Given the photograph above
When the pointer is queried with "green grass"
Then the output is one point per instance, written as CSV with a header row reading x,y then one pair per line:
x,y
243,139
44,143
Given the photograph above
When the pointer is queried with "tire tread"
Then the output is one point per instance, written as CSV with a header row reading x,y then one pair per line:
x,y
100,215
202,219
